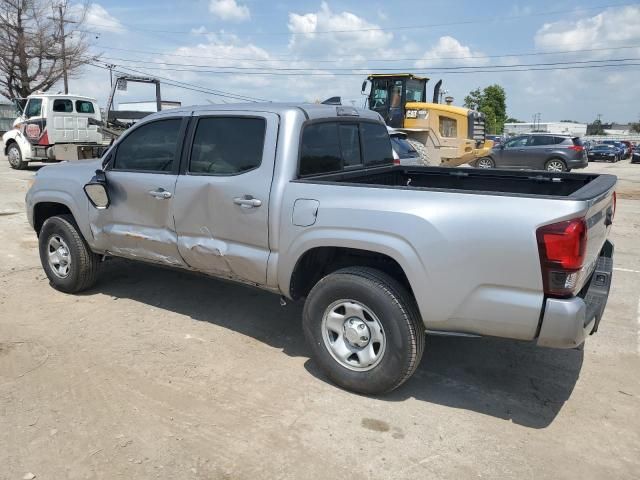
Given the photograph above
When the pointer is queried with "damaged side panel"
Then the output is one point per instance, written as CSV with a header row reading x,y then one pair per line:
x,y
137,224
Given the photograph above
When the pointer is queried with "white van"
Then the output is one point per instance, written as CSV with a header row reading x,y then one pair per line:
x,y
54,128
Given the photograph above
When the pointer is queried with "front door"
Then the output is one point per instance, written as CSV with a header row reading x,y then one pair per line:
x,y
512,153
222,196
141,178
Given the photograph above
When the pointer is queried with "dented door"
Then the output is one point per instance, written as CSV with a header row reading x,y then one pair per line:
x,y
221,206
141,180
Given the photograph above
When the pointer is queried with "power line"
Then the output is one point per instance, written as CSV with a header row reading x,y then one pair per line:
x,y
367,69
319,60
485,69
184,85
401,27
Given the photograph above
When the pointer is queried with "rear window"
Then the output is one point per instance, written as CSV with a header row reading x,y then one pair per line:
x,y
540,140
83,106
402,147
333,146
62,105
376,145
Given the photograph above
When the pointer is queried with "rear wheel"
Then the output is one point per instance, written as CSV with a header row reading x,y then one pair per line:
x,y
66,258
485,162
364,330
14,155
555,165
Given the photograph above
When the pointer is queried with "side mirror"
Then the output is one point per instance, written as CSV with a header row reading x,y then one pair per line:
x,y
96,191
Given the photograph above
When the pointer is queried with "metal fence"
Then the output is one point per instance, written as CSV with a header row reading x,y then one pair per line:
x,y
7,116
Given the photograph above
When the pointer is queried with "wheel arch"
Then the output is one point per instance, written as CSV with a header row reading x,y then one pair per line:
x,y
316,262
10,142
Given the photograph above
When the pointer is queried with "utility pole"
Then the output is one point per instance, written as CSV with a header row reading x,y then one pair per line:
x,y
63,46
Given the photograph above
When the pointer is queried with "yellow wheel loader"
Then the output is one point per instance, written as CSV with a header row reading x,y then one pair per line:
x,y
442,134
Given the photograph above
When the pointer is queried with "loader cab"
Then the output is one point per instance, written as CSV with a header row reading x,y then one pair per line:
x,y
390,93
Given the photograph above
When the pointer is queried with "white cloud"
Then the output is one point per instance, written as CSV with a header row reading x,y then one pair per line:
x,y
610,28
98,18
449,50
349,33
229,10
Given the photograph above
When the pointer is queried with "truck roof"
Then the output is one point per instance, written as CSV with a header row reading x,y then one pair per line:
x,y
311,110
62,95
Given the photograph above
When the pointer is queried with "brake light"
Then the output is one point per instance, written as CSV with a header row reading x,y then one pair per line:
x,y
577,148
396,161
562,248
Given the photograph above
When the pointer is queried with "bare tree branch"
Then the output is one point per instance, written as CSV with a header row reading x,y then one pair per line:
x,y
31,37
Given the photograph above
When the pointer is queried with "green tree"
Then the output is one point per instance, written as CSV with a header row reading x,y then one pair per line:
x,y
596,128
492,101
513,120
635,127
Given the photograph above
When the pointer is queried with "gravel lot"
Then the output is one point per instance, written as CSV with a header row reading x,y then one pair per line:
x,y
162,374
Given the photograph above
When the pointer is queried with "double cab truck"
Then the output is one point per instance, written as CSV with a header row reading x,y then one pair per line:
x,y
305,201
54,127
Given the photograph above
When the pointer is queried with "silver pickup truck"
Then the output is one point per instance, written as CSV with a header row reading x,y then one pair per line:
x,y
305,201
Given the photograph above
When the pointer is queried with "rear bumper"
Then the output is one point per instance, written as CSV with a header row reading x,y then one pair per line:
x,y
567,322
578,163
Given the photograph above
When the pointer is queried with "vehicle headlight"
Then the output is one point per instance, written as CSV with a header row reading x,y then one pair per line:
x,y
412,114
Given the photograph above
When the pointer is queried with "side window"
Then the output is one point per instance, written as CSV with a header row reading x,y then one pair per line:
x,y
227,145
150,147
62,105
379,95
541,140
448,127
320,149
83,106
34,107
376,145
516,142
350,144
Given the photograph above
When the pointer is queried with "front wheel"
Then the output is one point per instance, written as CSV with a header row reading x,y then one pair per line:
x,y
364,330
485,162
65,256
555,165
14,155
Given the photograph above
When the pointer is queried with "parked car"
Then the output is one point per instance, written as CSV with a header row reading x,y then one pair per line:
x,y
622,149
629,146
403,152
497,139
537,151
609,153
313,208
635,157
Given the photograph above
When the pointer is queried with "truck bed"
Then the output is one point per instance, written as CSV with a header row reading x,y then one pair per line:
x,y
572,186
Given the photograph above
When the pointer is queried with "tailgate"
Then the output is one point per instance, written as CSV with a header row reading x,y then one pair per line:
x,y
599,218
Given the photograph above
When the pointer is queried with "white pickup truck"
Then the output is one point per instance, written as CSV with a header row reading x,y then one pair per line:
x,y
54,127
305,201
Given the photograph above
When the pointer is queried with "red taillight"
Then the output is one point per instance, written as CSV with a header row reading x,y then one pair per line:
x,y
562,248
577,148
396,161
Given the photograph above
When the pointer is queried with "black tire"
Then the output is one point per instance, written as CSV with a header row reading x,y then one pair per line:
x,y
14,155
422,151
404,332
83,265
487,162
554,161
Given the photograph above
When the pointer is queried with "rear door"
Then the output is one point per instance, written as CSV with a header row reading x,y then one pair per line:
x,y
538,150
222,198
141,178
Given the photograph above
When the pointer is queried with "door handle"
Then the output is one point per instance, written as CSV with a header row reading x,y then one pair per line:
x,y
247,201
160,193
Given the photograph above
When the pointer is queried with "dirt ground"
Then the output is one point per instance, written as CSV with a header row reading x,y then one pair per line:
x,y
162,374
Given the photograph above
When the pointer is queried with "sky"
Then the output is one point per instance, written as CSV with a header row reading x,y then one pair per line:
x,y
286,50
